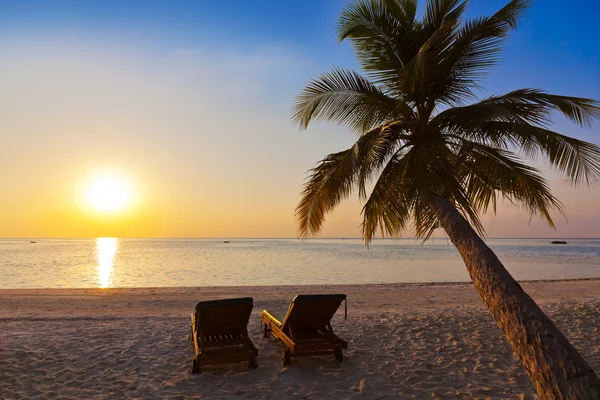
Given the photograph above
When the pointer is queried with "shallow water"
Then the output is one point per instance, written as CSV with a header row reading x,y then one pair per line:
x,y
110,262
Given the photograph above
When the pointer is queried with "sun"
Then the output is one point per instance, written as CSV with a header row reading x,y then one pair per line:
x,y
108,193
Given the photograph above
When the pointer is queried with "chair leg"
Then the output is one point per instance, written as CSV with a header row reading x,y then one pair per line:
x,y
195,366
252,364
267,331
286,358
339,356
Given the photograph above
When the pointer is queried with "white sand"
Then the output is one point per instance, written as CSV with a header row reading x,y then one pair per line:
x,y
405,342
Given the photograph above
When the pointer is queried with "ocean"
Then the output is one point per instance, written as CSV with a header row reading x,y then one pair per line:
x,y
112,262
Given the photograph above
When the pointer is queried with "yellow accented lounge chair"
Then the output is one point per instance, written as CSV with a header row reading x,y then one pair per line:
x,y
220,333
305,329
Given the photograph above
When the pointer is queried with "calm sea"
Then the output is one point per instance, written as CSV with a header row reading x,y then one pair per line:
x,y
110,262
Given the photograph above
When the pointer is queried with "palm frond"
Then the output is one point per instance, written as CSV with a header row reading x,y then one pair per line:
x,y
336,176
374,27
384,35
488,172
424,219
438,12
414,79
402,193
403,11
579,110
375,148
330,182
474,51
529,106
577,160
389,205
513,12
345,97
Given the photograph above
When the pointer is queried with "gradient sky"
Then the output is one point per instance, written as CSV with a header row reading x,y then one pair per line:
x,y
190,101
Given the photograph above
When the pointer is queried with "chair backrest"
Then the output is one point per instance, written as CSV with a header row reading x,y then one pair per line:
x,y
221,317
311,312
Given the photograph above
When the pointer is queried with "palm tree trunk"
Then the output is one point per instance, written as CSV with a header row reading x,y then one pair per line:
x,y
555,368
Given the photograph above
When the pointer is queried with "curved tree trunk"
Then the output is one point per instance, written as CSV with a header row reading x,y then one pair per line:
x,y
555,368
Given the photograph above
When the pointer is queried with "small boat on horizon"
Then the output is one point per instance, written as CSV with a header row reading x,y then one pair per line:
x,y
226,241
32,241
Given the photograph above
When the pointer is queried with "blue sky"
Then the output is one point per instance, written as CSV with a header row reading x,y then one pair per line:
x,y
186,95
556,46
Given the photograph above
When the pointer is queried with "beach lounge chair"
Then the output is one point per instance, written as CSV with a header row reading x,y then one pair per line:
x,y
220,333
305,329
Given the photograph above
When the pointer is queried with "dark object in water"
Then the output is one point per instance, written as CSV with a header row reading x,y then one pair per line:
x,y
226,241
558,242
31,241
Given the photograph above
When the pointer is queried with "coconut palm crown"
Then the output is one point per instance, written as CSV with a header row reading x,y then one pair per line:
x,y
422,131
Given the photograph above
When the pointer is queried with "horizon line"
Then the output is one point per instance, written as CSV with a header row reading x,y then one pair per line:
x,y
271,238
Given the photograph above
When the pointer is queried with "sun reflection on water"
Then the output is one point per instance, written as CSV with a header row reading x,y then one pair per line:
x,y
106,251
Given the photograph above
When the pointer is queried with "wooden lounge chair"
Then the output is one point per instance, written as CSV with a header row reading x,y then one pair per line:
x,y
220,333
305,329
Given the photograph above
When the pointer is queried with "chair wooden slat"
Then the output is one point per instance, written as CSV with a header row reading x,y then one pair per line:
x,y
220,333
306,328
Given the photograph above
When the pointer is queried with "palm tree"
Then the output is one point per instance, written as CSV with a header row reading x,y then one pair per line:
x,y
436,161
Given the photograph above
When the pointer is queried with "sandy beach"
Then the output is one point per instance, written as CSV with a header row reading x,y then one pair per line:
x,y
406,341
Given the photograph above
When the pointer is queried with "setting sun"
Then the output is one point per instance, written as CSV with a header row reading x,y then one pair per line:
x,y
108,193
